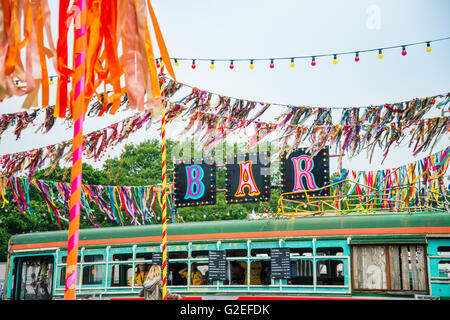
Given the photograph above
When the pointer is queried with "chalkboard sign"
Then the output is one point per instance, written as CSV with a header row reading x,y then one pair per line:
x,y
217,266
157,258
280,263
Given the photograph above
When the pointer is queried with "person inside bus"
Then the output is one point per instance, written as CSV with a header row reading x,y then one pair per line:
x,y
153,286
196,276
255,273
140,275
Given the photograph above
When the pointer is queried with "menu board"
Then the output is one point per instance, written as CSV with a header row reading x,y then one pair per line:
x,y
217,266
280,263
157,258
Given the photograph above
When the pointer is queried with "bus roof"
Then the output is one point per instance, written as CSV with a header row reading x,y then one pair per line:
x,y
340,225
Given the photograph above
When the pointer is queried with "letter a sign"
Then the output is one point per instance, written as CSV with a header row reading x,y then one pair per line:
x,y
247,178
301,173
194,183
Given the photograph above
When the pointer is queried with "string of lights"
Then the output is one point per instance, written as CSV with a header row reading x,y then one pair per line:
x,y
313,58
292,59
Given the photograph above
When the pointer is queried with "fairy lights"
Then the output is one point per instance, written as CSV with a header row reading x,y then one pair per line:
x,y
335,56
404,51
335,59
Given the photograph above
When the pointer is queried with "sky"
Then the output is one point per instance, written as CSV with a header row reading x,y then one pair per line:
x,y
234,29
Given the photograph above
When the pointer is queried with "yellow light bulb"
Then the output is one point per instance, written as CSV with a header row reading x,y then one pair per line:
x,y
428,49
380,56
177,63
335,61
292,64
251,66
211,66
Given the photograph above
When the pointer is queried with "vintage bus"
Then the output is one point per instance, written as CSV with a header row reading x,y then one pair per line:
x,y
365,256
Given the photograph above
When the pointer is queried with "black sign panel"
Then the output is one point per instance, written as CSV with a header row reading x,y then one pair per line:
x,y
157,258
217,266
194,182
247,178
299,172
280,263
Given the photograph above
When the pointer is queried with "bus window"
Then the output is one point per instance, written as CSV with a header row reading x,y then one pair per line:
x,y
120,272
236,253
174,278
260,253
301,272
330,272
177,255
200,254
34,278
443,251
238,272
62,271
203,268
197,277
260,272
300,252
444,268
92,274
332,251
146,256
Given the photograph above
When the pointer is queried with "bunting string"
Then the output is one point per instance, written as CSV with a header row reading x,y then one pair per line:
x,y
415,187
95,143
136,205
357,128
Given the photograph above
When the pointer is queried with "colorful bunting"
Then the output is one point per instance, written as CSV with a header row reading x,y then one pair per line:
x,y
122,204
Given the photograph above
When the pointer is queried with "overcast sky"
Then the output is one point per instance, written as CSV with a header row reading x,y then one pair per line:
x,y
265,29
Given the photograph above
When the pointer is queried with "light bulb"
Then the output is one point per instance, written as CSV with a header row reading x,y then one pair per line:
x,y
380,54
292,63
335,59
251,64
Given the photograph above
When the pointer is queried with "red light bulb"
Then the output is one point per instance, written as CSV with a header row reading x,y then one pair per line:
x,y
193,64
271,64
404,51
357,57
313,62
